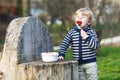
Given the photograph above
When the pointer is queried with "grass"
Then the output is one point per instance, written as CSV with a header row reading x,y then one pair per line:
x,y
1,40
108,61
1,44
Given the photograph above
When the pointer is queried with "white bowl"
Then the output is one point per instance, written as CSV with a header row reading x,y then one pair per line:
x,y
49,56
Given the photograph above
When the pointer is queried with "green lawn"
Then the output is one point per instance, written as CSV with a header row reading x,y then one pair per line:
x,y
1,44
108,60
1,40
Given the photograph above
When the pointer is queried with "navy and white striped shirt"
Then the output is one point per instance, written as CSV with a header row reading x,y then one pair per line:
x,y
83,50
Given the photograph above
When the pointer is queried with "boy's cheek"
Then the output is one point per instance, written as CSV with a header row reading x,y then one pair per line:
x,y
85,22
76,19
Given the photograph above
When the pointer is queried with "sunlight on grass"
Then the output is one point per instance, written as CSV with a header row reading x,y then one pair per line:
x,y
108,61
68,55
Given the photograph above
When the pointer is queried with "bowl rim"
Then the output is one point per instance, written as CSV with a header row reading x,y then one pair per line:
x,y
49,53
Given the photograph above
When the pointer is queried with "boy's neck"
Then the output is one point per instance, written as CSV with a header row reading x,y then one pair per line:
x,y
82,27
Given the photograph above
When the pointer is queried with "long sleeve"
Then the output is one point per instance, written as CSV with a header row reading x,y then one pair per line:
x,y
92,40
65,44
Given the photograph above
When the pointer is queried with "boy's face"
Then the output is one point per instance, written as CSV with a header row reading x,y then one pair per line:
x,y
83,17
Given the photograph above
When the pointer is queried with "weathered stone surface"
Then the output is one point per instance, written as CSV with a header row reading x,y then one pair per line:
x,y
25,39
38,70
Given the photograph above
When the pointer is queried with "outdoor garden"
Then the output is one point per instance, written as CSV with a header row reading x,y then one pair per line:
x,y
58,19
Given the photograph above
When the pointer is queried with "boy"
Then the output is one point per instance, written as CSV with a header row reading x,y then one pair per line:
x,y
84,44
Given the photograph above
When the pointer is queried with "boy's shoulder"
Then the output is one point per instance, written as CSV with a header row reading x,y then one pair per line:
x,y
91,31
71,31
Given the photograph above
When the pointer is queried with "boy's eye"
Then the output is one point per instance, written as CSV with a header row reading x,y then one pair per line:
x,y
83,16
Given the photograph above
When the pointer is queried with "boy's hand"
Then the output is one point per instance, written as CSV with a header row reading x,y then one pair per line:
x,y
83,34
60,58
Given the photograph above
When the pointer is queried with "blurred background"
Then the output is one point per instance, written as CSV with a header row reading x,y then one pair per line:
x,y
57,15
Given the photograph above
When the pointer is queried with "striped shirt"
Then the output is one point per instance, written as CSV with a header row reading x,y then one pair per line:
x,y
83,50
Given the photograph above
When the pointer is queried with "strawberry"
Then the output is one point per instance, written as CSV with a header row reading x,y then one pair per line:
x,y
79,22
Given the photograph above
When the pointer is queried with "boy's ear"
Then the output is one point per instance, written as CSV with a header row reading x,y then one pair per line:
x,y
89,21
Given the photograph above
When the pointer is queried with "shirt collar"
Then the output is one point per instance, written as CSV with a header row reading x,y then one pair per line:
x,y
85,29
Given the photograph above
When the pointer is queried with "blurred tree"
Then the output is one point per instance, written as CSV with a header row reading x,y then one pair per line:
x,y
23,8
26,7
106,13
61,9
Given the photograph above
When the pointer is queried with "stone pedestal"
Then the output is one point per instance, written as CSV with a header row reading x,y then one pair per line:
x,y
61,70
26,39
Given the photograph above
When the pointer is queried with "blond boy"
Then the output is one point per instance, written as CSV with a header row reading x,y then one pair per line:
x,y
84,44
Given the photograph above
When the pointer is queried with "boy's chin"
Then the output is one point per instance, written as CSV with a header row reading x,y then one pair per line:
x,y
81,26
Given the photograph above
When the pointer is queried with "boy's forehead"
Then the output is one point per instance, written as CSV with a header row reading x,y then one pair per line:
x,y
83,14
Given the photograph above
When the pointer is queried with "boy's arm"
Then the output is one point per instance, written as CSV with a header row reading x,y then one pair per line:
x,y
92,40
65,44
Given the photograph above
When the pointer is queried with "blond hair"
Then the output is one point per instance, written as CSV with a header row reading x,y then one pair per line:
x,y
86,11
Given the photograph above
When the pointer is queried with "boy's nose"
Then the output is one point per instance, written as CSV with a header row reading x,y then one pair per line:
x,y
80,17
